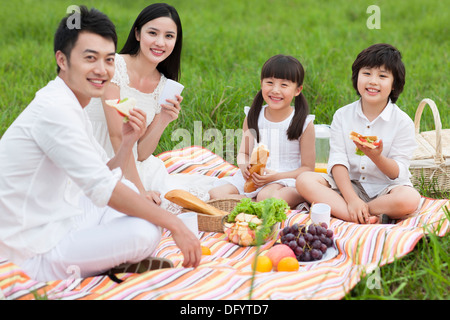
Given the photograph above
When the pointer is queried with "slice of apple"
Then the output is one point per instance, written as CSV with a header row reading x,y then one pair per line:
x,y
122,106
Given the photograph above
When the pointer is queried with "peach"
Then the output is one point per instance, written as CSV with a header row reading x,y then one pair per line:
x,y
278,252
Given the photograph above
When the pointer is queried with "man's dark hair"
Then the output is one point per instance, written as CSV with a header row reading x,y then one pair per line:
x,y
87,20
378,55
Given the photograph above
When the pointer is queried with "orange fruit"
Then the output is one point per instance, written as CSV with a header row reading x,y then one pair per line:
x,y
288,264
205,251
263,264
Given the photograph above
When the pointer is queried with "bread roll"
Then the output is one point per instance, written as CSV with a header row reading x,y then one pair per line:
x,y
258,161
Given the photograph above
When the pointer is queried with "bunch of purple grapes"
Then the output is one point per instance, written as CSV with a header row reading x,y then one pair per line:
x,y
309,243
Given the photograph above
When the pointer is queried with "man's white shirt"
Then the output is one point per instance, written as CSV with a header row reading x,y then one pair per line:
x,y
48,156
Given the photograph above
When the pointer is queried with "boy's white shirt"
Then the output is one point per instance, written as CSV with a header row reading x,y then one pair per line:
x,y
393,126
39,196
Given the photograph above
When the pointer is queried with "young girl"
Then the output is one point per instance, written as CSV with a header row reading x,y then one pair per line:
x,y
288,133
150,56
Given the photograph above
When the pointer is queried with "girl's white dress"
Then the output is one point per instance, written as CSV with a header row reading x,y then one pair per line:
x,y
284,154
152,171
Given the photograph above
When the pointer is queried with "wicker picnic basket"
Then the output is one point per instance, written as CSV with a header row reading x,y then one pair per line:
x,y
211,223
431,161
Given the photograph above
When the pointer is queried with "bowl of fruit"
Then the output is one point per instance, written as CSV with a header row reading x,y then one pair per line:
x,y
252,223
310,243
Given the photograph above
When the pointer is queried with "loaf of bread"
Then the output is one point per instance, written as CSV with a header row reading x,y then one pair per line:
x,y
190,202
258,161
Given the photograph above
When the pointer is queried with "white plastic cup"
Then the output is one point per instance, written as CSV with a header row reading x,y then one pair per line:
x,y
321,212
171,88
190,220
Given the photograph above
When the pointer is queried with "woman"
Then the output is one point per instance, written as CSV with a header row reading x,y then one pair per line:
x,y
150,56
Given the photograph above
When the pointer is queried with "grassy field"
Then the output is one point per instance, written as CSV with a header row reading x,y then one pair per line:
x,y
225,45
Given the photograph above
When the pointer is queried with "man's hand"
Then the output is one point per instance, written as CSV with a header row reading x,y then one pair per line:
x,y
188,244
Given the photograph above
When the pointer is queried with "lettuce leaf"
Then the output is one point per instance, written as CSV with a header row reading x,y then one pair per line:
x,y
270,210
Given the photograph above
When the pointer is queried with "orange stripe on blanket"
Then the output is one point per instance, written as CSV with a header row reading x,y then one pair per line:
x,y
196,160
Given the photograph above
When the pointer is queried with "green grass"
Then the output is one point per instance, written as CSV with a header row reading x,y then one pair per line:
x,y
225,45
423,274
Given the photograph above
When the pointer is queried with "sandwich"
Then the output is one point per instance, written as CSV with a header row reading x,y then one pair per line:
x,y
188,201
122,106
258,161
368,141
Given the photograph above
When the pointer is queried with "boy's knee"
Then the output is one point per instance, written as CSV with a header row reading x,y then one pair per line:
x,y
411,203
407,201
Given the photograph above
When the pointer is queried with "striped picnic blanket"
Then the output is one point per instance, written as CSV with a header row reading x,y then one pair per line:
x,y
226,274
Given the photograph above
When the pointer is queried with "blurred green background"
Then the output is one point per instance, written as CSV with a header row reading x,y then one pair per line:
x,y
227,42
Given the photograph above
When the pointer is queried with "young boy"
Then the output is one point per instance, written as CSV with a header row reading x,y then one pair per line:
x,y
65,211
365,188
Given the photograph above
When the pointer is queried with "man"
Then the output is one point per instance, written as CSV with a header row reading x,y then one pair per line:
x,y
63,204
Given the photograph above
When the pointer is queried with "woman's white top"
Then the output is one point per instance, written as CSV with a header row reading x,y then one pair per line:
x,y
148,102
152,171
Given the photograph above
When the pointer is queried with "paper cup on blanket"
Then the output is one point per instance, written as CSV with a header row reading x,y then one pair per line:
x,y
320,212
190,220
171,88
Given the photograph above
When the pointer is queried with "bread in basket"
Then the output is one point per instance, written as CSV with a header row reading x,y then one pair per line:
x,y
209,214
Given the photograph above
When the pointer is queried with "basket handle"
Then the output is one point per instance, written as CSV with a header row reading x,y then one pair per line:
x,y
437,123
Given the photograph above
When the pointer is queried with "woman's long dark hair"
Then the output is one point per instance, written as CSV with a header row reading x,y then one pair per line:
x,y
170,67
281,67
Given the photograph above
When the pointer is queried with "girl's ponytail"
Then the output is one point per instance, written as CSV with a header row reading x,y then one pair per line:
x,y
295,129
253,114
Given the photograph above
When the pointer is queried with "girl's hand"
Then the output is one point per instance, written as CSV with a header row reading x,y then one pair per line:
x,y
246,172
265,178
359,211
153,196
170,112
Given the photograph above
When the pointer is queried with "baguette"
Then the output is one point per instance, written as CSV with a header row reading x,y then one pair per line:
x,y
189,201
258,161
